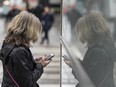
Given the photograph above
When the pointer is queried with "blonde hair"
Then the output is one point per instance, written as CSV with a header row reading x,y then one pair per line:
x,y
23,29
93,29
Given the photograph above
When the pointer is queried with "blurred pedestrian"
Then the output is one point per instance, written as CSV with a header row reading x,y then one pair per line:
x,y
12,13
37,11
47,22
99,59
73,15
26,3
19,67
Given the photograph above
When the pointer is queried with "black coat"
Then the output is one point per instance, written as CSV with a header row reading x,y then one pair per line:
x,y
21,65
47,21
37,11
98,63
73,16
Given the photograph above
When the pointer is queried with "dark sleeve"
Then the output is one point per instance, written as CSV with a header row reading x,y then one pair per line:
x,y
24,75
51,20
97,64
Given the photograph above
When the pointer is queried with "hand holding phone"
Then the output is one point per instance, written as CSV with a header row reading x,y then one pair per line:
x,y
43,60
50,56
66,58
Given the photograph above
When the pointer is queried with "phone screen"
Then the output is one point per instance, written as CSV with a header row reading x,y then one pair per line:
x,y
50,56
65,57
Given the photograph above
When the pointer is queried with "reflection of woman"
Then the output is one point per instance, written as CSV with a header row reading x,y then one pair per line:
x,y
23,29
99,59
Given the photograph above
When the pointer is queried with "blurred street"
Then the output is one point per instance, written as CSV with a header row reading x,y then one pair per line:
x,y
51,76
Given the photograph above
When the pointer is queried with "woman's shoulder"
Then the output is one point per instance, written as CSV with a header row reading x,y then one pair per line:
x,y
107,48
97,53
96,49
20,53
19,50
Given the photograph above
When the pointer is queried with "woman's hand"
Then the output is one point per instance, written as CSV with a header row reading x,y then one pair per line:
x,y
43,61
68,63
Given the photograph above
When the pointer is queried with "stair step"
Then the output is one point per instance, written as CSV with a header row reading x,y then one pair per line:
x,y
44,50
54,64
53,59
52,70
69,81
58,67
49,79
43,54
50,76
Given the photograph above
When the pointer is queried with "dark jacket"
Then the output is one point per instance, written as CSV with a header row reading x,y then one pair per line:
x,y
37,11
98,63
12,13
47,21
73,16
21,66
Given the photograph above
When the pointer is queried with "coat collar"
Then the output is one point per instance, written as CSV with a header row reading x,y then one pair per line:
x,y
5,51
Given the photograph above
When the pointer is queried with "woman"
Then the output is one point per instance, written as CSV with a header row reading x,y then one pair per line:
x,y
99,59
19,67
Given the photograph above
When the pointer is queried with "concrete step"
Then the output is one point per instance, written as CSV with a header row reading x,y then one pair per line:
x,y
36,52
43,54
49,79
54,59
68,85
53,70
50,85
69,81
54,64
44,49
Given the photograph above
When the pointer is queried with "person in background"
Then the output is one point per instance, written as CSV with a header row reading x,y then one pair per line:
x,y
73,14
99,59
37,11
12,13
19,66
47,22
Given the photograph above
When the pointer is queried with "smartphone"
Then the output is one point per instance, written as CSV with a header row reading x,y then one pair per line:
x,y
65,57
50,56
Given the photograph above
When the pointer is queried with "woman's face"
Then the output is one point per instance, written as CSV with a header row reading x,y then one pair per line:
x,y
47,10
